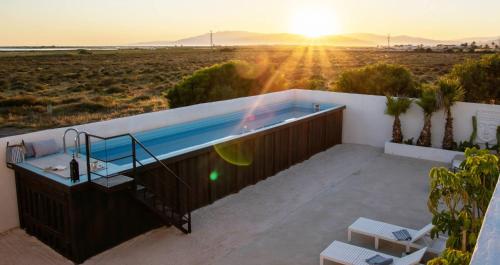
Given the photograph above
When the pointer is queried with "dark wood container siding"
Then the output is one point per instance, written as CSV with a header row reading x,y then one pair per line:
x,y
81,221
270,152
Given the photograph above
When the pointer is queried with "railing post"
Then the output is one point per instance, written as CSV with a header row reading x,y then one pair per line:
x,y
188,209
179,198
134,160
87,154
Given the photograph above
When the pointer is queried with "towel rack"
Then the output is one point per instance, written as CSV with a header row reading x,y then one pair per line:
x,y
14,154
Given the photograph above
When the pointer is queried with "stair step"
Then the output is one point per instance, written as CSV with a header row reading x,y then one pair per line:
x,y
113,182
165,212
156,205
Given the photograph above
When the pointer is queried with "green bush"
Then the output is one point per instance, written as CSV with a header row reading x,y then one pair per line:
x,y
84,52
225,81
458,200
16,101
480,79
379,79
451,257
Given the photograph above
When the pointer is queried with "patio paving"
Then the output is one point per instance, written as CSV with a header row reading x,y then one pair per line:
x,y
287,219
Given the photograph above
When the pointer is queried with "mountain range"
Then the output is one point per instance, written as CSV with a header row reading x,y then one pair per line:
x,y
229,38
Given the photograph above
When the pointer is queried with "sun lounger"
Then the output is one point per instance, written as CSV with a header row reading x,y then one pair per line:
x,y
344,253
380,230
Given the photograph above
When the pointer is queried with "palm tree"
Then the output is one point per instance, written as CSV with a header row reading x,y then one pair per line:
x,y
396,107
449,91
428,103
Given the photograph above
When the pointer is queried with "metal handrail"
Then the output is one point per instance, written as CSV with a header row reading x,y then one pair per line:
x,y
159,161
184,216
87,143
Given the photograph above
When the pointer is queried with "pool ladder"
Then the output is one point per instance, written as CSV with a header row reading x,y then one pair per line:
x,y
77,143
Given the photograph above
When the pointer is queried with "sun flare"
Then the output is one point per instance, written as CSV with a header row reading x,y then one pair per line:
x,y
314,22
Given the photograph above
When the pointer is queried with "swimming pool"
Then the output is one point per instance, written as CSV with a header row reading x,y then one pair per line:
x,y
205,153
180,138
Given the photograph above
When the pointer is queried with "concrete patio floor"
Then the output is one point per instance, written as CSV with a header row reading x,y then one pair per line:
x,y
287,219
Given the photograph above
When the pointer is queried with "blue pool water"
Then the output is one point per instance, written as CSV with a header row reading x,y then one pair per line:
x,y
187,136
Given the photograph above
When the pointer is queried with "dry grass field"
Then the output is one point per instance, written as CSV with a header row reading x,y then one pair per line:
x,y
52,89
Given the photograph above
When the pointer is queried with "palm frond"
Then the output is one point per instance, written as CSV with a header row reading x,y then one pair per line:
x,y
396,106
428,99
449,91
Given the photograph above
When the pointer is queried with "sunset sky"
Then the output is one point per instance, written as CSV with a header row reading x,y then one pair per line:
x,y
121,22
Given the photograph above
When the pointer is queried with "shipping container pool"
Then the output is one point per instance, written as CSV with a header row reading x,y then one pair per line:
x,y
181,138
157,177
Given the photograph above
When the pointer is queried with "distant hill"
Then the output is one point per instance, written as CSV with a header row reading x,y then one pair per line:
x,y
352,39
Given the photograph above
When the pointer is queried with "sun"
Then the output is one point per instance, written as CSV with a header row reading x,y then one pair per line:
x,y
313,22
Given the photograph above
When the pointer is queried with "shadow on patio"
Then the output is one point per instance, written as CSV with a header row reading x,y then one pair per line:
x,y
286,219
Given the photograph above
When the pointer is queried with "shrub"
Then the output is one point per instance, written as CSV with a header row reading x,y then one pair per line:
x,y
316,82
18,85
225,81
84,52
115,90
379,79
227,49
451,257
20,101
107,82
458,200
480,79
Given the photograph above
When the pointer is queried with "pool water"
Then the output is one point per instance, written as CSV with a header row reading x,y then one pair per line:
x,y
199,133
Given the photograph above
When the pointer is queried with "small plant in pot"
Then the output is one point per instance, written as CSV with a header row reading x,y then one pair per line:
x,y
428,103
395,107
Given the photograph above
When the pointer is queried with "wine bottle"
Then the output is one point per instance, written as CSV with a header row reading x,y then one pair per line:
x,y
74,170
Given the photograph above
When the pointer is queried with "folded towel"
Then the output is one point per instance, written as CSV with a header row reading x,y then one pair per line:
x,y
379,260
402,235
46,147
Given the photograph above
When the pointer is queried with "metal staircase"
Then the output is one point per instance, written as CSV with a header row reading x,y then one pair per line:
x,y
146,185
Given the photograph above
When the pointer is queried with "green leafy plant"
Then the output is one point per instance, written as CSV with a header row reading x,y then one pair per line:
x,y
408,141
448,93
451,257
463,145
379,79
225,81
470,143
428,103
473,135
479,78
395,107
458,200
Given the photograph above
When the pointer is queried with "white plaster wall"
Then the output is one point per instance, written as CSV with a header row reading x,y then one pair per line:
x,y
488,245
365,121
8,206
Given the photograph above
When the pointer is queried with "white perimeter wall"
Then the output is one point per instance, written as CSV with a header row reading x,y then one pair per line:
x,y
364,123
